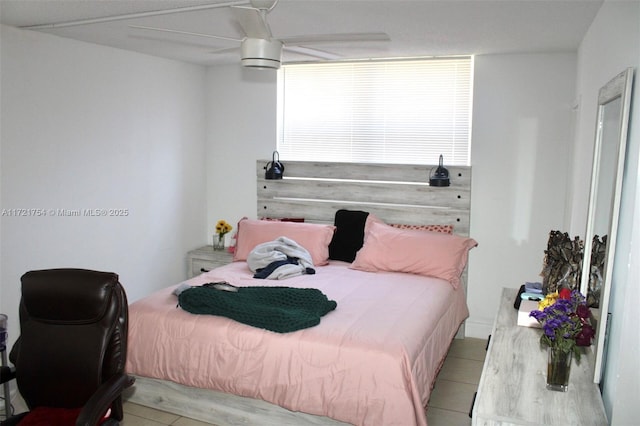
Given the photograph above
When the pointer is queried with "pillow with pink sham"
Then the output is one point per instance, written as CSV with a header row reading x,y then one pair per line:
x,y
433,254
446,229
315,238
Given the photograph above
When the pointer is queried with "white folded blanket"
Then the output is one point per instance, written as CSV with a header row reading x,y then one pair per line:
x,y
280,250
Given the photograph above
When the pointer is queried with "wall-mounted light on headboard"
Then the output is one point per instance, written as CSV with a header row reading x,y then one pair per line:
x,y
439,177
274,168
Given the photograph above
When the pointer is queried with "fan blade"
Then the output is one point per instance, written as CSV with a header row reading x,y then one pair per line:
x,y
253,22
316,53
224,50
330,38
167,30
266,5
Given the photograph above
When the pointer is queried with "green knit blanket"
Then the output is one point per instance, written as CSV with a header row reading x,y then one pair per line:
x,y
279,309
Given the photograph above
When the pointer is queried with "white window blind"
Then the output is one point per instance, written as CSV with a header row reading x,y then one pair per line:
x,y
400,111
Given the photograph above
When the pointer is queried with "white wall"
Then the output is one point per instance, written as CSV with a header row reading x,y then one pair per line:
x,y
603,54
241,128
520,152
90,127
610,46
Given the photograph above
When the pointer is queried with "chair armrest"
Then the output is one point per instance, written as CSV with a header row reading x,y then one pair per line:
x,y
102,399
7,373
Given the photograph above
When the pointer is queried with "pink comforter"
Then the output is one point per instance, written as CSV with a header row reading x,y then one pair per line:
x,y
372,361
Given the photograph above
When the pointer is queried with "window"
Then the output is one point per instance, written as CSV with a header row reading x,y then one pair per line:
x,y
405,111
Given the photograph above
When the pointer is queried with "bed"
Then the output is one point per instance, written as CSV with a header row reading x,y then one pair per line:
x,y
371,361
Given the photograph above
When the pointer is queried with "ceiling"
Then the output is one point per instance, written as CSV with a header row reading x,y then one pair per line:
x,y
415,28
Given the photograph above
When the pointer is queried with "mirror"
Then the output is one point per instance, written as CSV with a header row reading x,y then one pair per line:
x,y
604,205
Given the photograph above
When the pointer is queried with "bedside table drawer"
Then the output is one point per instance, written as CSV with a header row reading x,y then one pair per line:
x,y
204,259
199,266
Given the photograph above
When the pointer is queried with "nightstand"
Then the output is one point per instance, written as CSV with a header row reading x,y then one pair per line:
x,y
204,259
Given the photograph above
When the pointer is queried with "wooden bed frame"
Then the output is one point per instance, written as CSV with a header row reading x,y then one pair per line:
x,y
315,191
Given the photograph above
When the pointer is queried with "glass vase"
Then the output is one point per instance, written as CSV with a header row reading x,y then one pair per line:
x,y
558,369
218,242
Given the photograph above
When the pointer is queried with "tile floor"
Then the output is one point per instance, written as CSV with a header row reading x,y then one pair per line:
x,y
449,404
456,384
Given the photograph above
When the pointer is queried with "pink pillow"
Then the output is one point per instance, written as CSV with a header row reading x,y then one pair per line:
x,y
315,238
433,254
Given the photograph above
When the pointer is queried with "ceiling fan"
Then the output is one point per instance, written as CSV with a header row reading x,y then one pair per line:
x,y
259,49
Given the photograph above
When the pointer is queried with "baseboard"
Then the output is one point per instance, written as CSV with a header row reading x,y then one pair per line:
x,y
480,330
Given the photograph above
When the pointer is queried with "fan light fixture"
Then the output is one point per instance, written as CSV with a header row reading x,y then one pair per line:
x,y
260,53
439,177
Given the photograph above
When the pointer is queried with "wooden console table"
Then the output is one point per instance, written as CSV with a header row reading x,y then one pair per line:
x,y
512,388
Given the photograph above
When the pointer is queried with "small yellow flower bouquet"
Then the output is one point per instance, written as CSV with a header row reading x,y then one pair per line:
x,y
222,228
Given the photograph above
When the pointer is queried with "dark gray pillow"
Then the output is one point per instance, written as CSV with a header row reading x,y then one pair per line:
x,y
349,234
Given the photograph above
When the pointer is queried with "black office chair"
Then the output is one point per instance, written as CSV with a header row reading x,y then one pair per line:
x,y
70,356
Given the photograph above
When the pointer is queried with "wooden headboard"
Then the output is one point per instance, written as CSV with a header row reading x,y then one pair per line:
x,y
396,193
